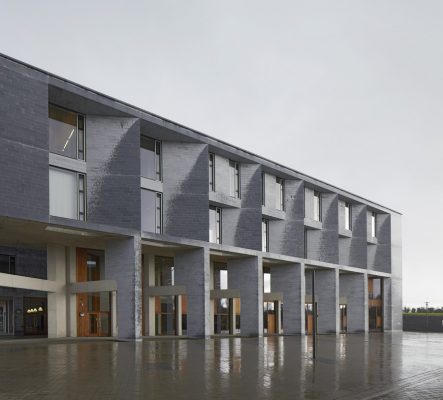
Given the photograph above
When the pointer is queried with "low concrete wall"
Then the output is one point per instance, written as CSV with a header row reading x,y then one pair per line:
x,y
421,323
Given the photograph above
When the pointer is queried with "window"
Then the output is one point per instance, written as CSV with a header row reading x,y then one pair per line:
x,y
374,224
263,187
306,243
215,224
66,132
164,271
348,216
67,194
220,276
280,194
266,280
265,234
150,158
317,206
7,264
234,179
151,211
212,172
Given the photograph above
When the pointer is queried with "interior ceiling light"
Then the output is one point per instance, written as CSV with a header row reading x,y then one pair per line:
x,y
69,231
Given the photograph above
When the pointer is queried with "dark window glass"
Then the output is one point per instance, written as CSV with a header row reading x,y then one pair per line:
x,y
7,264
64,132
211,172
164,271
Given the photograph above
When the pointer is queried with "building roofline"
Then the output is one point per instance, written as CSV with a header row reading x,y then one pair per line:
x,y
189,129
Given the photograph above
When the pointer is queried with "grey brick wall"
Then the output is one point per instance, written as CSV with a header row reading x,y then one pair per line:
x,y
354,288
323,244
353,251
192,270
123,264
113,171
185,190
287,236
24,177
28,262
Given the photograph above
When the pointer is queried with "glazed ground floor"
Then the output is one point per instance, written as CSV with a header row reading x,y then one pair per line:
x,y
90,284
377,366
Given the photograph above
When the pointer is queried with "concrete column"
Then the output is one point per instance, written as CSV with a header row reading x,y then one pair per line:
x,y
149,301
327,297
114,326
290,280
192,271
123,264
387,304
71,299
56,267
246,274
355,288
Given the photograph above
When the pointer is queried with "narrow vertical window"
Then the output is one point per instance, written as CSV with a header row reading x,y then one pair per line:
x,y
317,206
374,224
158,160
212,172
348,216
263,187
265,235
81,137
306,244
280,195
158,213
266,280
234,179
215,224
81,197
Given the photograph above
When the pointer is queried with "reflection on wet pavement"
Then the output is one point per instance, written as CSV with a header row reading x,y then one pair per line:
x,y
375,366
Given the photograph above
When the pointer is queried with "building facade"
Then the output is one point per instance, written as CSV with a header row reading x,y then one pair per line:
x,y
117,222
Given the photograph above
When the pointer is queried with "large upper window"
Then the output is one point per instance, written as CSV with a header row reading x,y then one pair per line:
x,y
67,194
151,211
212,172
7,264
280,193
66,132
348,216
374,224
265,234
317,206
234,179
215,216
150,158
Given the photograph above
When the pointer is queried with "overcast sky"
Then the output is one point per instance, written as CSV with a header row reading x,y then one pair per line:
x,y
353,89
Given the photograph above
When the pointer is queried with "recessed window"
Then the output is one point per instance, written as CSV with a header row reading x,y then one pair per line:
x,y
234,179
151,211
265,234
66,132
317,206
212,172
7,264
67,194
280,193
266,280
150,158
164,271
263,189
348,216
220,276
215,216
374,224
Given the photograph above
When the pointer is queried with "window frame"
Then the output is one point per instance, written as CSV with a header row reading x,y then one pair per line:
x,y
348,216
234,179
263,189
280,204
211,161
218,224
158,211
265,235
158,155
82,195
318,195
374,224
79,117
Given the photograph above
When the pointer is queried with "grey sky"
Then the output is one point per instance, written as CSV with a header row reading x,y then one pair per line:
x,y
357,84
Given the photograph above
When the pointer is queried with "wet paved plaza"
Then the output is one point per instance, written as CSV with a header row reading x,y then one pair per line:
x,y
375,366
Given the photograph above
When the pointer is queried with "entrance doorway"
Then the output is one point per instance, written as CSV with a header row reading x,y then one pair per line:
x,y
93,309
6,317
343,318
35,316
375,293
270,317
309,319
